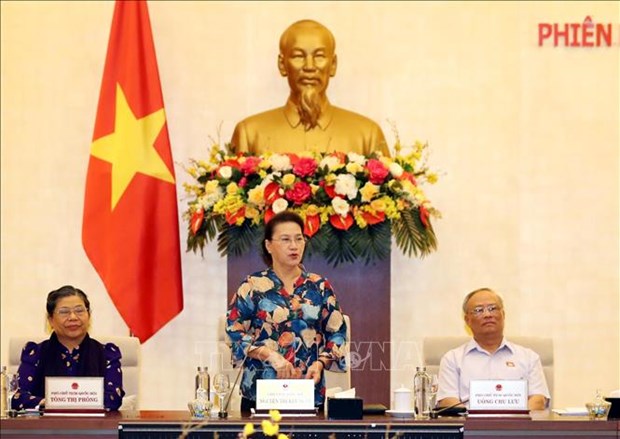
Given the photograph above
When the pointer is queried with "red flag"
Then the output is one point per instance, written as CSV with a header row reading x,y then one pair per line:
x,y
130,230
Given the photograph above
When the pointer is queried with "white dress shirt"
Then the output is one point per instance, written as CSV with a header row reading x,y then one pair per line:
x,y
471,362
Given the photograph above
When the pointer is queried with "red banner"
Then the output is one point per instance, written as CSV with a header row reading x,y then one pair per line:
x,y
130,229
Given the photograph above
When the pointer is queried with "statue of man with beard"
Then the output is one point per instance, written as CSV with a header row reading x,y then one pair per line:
x,y
308,121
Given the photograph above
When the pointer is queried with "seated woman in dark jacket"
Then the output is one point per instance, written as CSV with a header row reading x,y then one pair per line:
x,y
68,352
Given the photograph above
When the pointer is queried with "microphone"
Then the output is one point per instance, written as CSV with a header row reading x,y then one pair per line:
x,y
434,414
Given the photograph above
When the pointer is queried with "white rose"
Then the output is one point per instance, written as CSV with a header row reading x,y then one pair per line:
x,y
225,172
330,161
396,170
279,205
346,185
341,207
280,162
356,158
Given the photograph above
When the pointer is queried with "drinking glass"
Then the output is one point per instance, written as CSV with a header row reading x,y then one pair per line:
x,y
221,384
12,385
432,394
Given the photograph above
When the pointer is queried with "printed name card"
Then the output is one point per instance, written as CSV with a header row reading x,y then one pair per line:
x,y
69,393
498,395
288,395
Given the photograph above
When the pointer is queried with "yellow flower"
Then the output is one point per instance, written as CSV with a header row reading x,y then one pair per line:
x,y
269,428
256,196
386,161
211,187
264,164
282,436
288,180
378,205
431,177
354,168
230,204
248,430
369,191
232,188
251,212
192,171
312,209
330,179
275,415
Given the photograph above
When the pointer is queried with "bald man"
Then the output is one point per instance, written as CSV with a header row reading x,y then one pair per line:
x,y
489,355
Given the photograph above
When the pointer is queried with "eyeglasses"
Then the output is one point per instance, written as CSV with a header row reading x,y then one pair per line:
x,y
479,310
287,240
64,313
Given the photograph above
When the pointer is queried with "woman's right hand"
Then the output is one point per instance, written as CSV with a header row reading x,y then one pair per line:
x,y
283,367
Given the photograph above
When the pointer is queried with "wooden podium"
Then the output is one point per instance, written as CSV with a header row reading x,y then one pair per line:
x,y
364,294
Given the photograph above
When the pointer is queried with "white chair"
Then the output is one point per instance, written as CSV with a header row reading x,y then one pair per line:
x,y
130,362
435,347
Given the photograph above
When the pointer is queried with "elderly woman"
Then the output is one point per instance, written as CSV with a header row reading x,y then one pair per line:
x,y
68,352
287,320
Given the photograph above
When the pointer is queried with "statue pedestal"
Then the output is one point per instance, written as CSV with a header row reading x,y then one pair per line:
x,y
364,294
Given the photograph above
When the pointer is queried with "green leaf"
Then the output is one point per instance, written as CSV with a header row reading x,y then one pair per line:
x,y
373,242
237,240
412,236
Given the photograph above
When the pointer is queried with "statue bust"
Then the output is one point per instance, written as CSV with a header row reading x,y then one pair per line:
x,y
308,121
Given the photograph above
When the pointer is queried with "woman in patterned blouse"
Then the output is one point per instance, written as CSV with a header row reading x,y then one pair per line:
x,y
68,352
287,320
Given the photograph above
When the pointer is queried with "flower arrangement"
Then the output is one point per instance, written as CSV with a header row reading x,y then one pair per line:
x,y
351,204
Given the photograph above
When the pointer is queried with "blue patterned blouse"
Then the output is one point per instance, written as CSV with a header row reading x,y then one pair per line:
x,y
31,372
300,326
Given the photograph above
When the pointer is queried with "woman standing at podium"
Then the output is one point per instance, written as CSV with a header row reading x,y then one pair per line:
x,y
287,320
68,352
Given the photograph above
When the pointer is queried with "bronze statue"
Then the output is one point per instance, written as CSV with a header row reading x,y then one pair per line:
x,y
308,122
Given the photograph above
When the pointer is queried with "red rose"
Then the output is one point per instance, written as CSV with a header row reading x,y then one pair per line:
x,y
250,165
377,171
305,167
196,220
299,193
312,225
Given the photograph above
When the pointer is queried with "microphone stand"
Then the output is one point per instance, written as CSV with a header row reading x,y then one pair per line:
x,y
434,414
223,413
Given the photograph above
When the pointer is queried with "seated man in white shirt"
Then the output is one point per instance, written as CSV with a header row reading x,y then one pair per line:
x,y
489,355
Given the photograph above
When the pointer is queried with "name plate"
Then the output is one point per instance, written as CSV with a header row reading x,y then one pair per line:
x,y
498,395
74,393
285,395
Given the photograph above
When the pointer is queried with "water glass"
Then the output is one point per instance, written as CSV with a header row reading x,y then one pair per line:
x,y
432,394
221,384
12,385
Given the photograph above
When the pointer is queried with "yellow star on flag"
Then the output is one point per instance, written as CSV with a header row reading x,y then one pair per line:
x,y
130,148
